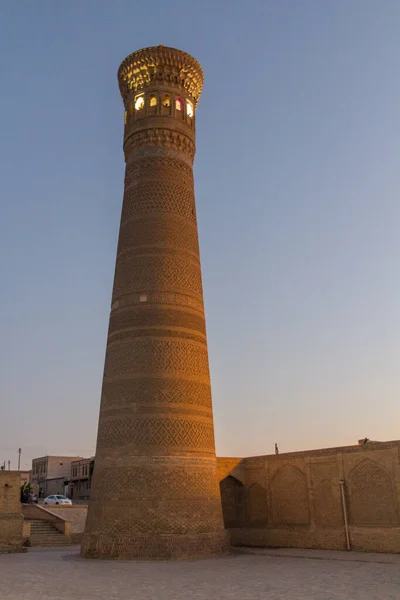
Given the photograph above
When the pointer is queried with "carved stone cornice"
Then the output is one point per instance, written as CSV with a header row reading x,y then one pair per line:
x,y
160,65
161,138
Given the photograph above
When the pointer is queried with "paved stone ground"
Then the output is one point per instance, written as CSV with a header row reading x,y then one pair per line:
x,y
52,574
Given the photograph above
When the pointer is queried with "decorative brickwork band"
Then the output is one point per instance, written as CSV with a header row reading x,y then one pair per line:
x,y
159,138
155,493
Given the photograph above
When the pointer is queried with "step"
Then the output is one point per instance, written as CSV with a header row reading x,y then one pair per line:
x,y
44,533
45,526
50,543
62,540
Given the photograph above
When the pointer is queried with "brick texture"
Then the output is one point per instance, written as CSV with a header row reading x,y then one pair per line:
x,y
294,500
155,491
11,519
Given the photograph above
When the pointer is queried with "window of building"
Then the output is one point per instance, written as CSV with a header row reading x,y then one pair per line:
x,y
139,102
125,117
178,104
153,100
166,101
189,109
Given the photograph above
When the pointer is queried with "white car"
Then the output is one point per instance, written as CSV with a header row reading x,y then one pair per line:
x,y
57,500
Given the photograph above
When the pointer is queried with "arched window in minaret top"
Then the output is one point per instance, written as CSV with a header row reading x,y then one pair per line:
x,y
189,109
139,102
178,104
166,105
152,105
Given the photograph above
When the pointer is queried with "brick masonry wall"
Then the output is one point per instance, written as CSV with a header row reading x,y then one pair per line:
x,y
11,519
155,492
294,500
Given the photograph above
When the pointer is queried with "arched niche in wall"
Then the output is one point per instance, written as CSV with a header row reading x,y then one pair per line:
x,y
372,500
328,510
256,506
233,502
289,494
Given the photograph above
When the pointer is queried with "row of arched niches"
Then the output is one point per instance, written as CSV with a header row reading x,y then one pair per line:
x,y
154,103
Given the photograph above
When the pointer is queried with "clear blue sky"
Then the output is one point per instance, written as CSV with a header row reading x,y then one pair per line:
x,y
297,185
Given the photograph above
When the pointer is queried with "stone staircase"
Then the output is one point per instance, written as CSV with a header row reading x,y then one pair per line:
x,y
44,533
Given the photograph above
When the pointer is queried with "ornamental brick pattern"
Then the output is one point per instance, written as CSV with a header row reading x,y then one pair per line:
x,y
155,493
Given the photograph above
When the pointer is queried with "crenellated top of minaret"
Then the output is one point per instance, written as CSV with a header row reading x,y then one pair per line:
x,y
160,65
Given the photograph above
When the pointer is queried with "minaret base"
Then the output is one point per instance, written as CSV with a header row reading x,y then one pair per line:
x,y
155,546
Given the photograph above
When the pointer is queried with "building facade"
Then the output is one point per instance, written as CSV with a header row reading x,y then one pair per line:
x,y
155,456
81,480
57,485
51,473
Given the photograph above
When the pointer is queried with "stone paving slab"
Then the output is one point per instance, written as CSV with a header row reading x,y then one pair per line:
x,y
61,574
375,557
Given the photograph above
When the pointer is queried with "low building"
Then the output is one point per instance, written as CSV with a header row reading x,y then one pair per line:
x,y
81,480
57,485
47,468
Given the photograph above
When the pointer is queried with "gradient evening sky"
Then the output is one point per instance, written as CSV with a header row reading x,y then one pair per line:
x,y
297,187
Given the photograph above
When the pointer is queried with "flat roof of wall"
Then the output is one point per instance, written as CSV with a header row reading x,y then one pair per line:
x,y
321,451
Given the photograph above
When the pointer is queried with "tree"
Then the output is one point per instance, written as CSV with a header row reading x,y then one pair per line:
x,y
26,491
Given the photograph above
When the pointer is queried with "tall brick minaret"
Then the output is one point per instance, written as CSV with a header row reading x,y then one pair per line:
x,y
155,492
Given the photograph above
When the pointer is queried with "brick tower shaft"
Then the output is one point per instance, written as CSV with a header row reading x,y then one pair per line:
x,y
155,492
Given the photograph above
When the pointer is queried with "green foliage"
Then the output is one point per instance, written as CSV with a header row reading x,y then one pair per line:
x,y
26,491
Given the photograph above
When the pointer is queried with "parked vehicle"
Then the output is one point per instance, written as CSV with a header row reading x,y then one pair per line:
x,y
57,500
